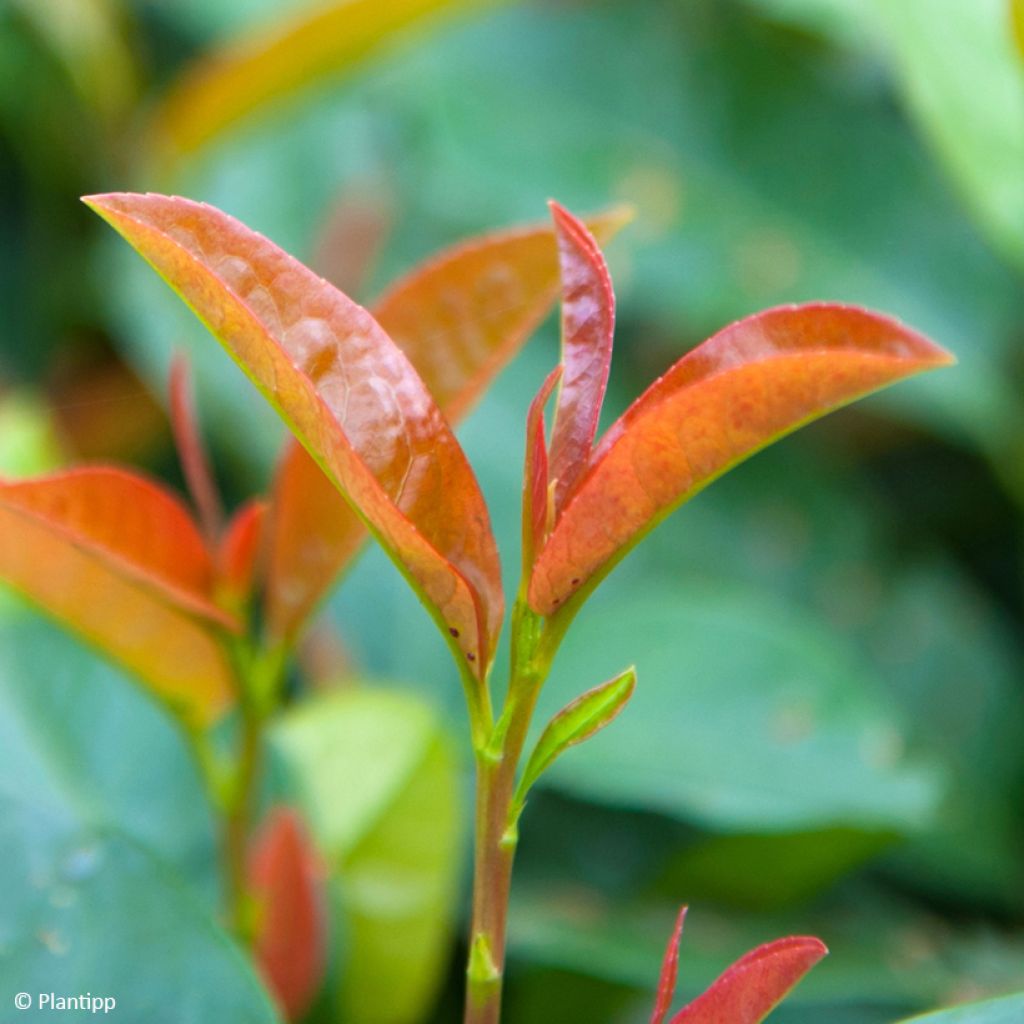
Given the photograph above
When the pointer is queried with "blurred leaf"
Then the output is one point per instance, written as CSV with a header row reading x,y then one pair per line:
x,y
88,38
347,392
271,62
994,1011
750,384
118,560
1017,16
764,726
965,85
376,776
291,939
28,441
98,839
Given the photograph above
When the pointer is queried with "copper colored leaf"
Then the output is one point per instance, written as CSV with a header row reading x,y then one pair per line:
x,y
291,940
536,496
747,386
346,391
588,324
749,990
238,555
118,560
460,317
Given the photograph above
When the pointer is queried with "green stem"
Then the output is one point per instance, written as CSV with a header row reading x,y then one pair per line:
x,y
496,834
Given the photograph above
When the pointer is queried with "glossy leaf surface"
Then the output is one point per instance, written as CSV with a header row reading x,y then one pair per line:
x,y
460,318
376,776
118,560
669,972
750,384
346,391
588,324
578,721
273,62
290,944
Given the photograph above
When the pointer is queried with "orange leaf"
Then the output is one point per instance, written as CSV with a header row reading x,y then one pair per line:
x,y
291,937
347,392
238,556
118,560
537,501
669,970
460,318
750,384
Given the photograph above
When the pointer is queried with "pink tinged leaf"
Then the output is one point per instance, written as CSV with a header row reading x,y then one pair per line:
x,y
118,560
346,391
238,555
588,324
291,936
536,497
460,317
750,384
669,970
195,462
749,990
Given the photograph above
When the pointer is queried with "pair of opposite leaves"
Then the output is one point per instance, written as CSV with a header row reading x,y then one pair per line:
x,y
351,386
291,946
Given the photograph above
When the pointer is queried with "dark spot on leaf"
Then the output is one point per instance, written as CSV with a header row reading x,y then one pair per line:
x,y
576,581
454,632
471,656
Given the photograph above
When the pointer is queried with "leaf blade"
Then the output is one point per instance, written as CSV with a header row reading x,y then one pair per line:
x,y
752,383
460,317
119,560
588,324
753,986
580,719
346,391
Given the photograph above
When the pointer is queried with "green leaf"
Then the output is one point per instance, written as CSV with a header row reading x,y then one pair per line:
x,y
577,721
993,1011
747,720
376,776
964,84
107,884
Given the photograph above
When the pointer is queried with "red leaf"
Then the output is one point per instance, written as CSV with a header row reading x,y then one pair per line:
x,y
239,553
749,385
291,939
347,392
588,324
669,970
117,559
749,990
536,499
195,463
460,317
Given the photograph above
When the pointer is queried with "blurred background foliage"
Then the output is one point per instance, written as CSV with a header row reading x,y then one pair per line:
x,y
828,733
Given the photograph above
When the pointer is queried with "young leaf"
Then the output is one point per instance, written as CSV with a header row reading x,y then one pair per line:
x,y
460,318
749,990
346,391
118,560
669,971
588,324
750,384
577,721
273,62
195,463
238,556
291,939
536,496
